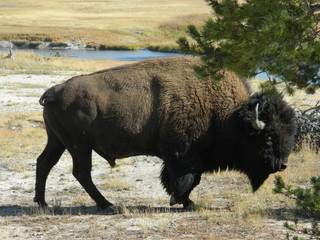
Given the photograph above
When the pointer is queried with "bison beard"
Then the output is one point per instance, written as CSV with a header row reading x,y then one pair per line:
x,y
158,107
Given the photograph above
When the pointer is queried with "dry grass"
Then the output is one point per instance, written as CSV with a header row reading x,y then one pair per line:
x,y
19,120
19,142
20,134
299,98
134,24
238,208
111,183
31,63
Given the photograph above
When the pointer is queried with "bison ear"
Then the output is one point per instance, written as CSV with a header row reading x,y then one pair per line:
x,y
255,122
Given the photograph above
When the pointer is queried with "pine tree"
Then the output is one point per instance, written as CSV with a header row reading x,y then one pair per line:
x,y
307,203
280,38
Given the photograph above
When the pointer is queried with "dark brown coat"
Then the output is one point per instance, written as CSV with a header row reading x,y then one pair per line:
x,y
156,107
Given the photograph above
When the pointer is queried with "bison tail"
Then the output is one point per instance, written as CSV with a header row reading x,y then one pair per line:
x,y
47,98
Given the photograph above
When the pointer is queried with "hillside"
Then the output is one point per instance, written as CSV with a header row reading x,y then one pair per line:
x,y
100,24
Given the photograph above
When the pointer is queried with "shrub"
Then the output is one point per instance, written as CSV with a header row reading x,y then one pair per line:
x,y
307,200
307,203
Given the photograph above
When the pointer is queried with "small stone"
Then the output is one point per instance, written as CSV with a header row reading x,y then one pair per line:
x,y
134,229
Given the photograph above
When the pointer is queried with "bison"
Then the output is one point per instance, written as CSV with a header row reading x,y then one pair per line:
x,y
160,108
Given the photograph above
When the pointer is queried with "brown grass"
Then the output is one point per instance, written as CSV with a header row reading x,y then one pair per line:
x,y
19,120
19,142
30,63
99,23
298,98
20,134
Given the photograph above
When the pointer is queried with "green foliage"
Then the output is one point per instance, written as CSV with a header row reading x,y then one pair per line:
x,y
279,38
307,202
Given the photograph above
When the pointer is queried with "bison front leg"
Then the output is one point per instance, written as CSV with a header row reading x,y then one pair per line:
x,y
82,164
179,178
183,186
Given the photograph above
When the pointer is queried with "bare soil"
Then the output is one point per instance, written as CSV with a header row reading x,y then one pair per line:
x,y
133,186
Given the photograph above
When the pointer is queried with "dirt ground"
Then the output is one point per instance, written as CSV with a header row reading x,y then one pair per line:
x,y
133,185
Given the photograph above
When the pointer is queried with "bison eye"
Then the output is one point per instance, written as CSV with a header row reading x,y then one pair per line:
x,y
269,141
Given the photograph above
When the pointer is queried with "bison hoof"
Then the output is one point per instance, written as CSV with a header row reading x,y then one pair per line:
x,y
112,210
173,200
189,205
103,205
42,204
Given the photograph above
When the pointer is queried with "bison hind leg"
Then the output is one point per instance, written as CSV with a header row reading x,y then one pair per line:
x,y
81,153
47,159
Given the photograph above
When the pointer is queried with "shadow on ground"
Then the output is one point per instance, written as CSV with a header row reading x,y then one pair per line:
x,y
15,210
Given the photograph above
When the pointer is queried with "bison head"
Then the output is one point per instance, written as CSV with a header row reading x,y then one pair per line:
x,y
265,129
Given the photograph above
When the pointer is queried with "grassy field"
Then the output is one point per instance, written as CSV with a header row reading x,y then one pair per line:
x,y
106,24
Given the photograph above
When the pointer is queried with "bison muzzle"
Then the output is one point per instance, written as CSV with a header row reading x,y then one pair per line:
x,y
159,107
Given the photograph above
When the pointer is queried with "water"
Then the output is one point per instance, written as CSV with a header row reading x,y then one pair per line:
x,y
119,55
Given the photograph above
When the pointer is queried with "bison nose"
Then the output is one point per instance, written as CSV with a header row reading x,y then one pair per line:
x,y
283,166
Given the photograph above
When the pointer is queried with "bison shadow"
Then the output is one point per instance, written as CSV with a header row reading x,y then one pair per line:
x,y
280,214
16,210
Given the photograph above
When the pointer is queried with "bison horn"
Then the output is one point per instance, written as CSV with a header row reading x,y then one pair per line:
x,y
256,123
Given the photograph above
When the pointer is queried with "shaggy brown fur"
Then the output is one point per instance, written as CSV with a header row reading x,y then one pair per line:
x,y
155,107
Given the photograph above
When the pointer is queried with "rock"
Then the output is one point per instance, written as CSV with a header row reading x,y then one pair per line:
x,y
6,44
134,229
44,45
75,45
